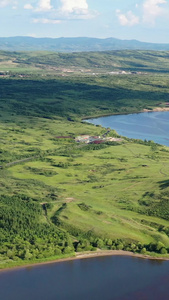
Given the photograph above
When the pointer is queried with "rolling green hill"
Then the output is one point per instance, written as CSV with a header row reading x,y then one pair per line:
x,y
58,197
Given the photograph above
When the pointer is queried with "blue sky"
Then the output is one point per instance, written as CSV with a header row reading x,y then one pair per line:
x,y
144,20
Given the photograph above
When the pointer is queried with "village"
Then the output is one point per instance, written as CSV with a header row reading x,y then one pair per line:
x,y
60,71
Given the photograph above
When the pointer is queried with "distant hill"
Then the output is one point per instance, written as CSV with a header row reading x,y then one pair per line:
x,y
75,44
85,62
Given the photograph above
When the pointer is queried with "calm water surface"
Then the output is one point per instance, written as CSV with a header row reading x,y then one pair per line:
x,y
104,278
150,126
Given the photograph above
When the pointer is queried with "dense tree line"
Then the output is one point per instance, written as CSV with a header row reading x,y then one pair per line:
x,y
23,234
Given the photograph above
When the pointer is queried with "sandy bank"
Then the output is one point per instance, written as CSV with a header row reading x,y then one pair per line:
x,y
101,253
156,109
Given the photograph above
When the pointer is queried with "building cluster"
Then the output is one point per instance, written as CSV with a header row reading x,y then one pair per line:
x,y
87,139
125,72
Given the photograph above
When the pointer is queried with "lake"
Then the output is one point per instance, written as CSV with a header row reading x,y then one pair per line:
x,y
149,125
101,278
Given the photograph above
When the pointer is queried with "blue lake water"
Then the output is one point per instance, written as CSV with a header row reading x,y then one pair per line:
x,y
101,278
149,125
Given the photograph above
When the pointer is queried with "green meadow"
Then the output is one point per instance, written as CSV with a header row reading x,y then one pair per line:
x,y
59,197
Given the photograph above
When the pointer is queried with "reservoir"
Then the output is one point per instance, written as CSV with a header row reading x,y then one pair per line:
x,y
149,125
101,278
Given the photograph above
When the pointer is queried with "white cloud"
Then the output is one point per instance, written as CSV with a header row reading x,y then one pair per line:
x,y
44,5
152,9
4,3
128,19
28,6
70,6
76,9
68,10
46,21
13,3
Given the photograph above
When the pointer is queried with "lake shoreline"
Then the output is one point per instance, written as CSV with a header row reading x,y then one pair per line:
x,y
86,255
155,109
137,125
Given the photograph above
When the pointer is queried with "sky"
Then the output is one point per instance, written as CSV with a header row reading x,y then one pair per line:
x,y
143,20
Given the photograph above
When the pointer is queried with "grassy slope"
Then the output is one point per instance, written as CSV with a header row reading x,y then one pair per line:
x,y
122,197
110,181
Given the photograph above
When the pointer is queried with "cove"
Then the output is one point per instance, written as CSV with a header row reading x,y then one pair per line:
x,y
108,278
148,125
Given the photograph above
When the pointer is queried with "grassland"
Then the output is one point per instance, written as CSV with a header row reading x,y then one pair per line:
x,y
58,197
